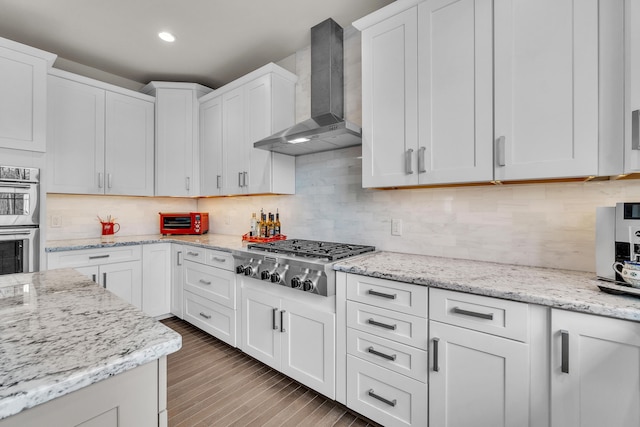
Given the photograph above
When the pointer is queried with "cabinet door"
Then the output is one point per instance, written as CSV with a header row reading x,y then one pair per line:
x,y
211,167
177,280
477,379
390,101
129,146
632,82
595,371
455,42
261,334
174,142
156,279
75,154
23,106
546,88
258,123
123,279
308,346
234,142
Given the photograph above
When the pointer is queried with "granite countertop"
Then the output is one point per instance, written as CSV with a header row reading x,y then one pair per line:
x,y
60,332
565,289
221,242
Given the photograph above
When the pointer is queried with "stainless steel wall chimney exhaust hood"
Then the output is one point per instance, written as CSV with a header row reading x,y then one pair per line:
x,y
326,129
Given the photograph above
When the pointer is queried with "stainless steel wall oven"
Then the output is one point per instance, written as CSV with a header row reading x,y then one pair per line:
x,y
19,219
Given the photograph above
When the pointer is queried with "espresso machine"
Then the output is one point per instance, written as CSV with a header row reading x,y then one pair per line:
x,y
617,238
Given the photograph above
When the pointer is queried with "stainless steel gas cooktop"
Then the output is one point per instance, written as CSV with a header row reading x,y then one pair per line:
x,y
330,251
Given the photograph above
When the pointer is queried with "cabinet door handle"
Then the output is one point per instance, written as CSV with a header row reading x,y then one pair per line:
x,y
188,183
635,131
436,367
273,318
99,256
215,258
500,151
100,180
109,180
382,325
179,258
382,399
104,280
94,278
206,316
487,316
239,179
218,181
421,160
565,351
407,161
383,355
282,329
204,282
381,294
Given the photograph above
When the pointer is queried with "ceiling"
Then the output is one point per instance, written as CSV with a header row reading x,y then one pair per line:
x,y
217,41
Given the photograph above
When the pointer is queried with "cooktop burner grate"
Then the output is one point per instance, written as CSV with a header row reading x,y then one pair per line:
x,y
312,248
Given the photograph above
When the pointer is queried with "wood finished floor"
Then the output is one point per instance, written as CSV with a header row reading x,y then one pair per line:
x,y
210,383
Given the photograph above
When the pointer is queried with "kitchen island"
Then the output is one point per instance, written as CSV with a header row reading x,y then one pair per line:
x,y
71,351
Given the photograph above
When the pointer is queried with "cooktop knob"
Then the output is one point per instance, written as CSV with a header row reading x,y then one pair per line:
x,y
265,275
240,269
296,283
249,271
308,285
275,278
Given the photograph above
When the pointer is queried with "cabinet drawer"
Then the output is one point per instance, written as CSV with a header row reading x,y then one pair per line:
x,y
404,328
196,254
392,355
494,316
386,397
88,257
212,283
213,318
219,259
403,297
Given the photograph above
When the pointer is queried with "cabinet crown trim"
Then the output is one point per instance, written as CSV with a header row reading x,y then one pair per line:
x,y
386,12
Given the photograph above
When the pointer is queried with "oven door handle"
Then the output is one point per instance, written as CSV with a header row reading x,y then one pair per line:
x,y
15,233
15,185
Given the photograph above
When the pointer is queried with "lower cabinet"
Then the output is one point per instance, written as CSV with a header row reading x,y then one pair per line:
x,y
177,279
294,338
156,279
595,371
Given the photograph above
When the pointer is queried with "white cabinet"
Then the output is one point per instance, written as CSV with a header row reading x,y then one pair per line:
x,y
595,371
209,292
99,141
290,336
177,279
156,279
23,96
234,117
549,121
632,85
431,112
386,349
117,269
479,366
177,147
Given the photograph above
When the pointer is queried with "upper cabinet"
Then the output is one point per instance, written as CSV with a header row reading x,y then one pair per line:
x,y
23,96
100,138
632,82
177,145
475,91
232,119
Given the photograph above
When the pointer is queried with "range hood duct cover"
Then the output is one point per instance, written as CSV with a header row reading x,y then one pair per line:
x,y
326,129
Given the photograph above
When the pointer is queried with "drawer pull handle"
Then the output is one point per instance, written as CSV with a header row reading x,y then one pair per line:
x,y
205,282
436,367
487,316
382,294
273,319
206,316
384,356
193,253
382,325
99,256
382,399
565,351
215,258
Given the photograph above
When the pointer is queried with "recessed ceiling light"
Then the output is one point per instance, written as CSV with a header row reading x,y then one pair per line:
x,y
168,37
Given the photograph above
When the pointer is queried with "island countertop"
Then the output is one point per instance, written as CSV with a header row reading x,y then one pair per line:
x,y
61,332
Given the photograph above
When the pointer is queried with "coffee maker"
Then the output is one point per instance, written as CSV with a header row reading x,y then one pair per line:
x,y
617,238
